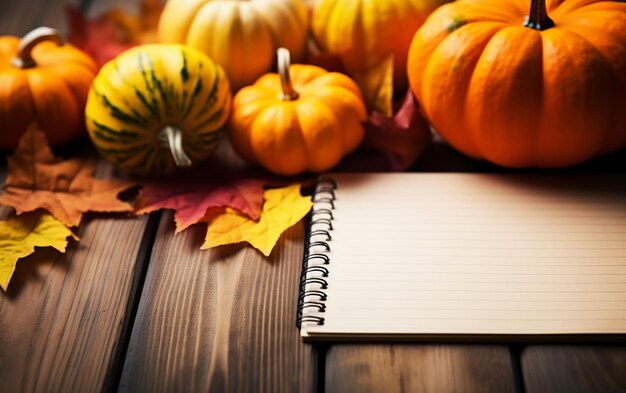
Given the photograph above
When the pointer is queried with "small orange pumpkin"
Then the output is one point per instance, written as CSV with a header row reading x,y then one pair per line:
x,y
301,119
547,90
42,80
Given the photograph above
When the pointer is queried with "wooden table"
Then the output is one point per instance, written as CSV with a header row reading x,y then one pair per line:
x,y
133,307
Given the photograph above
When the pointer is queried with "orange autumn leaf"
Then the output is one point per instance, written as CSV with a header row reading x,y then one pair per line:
x,y
65,188
191,195
109,34
283,208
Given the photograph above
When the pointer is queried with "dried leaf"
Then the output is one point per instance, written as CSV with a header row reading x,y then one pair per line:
x,y
65,188
114,31
191,196
376,85
402,137
283,208
376,82
19,235
100,38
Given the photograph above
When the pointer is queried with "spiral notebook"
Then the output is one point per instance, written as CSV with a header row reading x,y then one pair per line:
x,y
464,255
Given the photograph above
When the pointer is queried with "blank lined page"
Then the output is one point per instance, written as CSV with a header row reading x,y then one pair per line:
x,y
487,254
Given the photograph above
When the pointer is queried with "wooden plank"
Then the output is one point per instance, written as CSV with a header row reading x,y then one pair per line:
x,y
19,17
62,320
65,318
574,368
418,368
220,320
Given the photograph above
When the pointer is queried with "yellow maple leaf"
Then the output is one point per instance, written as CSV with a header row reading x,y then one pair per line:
x,y
376,84
283,208
19,235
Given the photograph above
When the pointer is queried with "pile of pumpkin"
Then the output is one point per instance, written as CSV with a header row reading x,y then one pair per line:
x,y
514,82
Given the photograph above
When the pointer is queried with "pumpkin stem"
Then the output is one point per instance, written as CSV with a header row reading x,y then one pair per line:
x,y
172,137
538,18
284,61
23,58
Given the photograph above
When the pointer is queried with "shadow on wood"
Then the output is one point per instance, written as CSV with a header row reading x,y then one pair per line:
x,y
574,368
418,368
219,320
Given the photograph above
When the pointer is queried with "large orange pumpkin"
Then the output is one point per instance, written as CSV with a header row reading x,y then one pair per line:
x,y
42,80
302,119
547,90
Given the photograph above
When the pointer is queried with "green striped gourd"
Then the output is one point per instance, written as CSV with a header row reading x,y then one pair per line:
x,y
158,107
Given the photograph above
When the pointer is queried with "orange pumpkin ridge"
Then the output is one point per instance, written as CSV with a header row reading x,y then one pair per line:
x,y
544,88
301,119
43,80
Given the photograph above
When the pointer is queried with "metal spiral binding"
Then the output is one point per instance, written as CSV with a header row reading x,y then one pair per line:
x,y
314,271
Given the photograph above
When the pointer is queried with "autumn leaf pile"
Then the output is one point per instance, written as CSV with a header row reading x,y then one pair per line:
x,y
49,196
235,209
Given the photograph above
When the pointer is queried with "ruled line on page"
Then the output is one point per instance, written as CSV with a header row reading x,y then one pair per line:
x,y
476,253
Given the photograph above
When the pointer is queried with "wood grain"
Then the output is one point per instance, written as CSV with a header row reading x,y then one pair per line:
x,y
574,368
418,368
61,321
64,319
19,17
221,320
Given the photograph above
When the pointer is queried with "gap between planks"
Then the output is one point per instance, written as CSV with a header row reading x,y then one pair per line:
x,y
219,320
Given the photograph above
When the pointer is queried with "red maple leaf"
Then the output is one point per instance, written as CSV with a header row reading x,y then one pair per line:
x,y
192,194
402,138
111,33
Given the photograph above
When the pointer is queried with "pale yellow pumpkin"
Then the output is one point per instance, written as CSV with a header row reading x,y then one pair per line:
x,y
364,32
240,35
